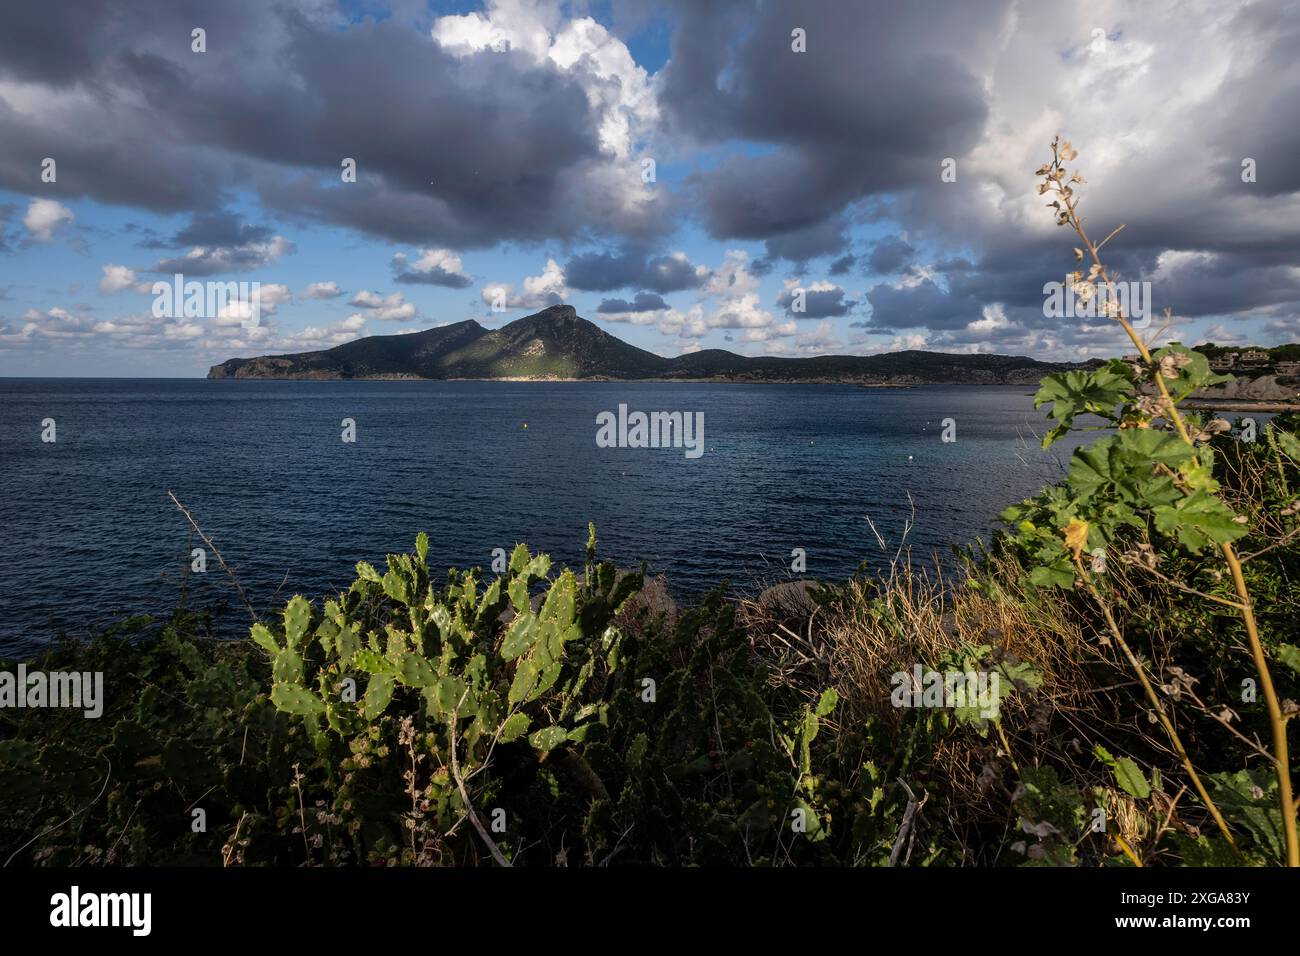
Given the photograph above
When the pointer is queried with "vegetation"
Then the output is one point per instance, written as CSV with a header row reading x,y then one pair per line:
x,y
557,343
1135,624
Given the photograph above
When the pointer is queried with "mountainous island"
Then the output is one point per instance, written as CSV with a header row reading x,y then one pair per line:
x,y
558,344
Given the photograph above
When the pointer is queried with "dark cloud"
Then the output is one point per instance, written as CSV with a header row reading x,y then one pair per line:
x,y
644,302
889,255
604,271
818,303
873,105
221,229
824,238
437,275
843,265
454,151
215,260
630,268
7,212
1255,133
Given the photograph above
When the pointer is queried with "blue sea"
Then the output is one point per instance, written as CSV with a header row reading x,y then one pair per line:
x,y
88,535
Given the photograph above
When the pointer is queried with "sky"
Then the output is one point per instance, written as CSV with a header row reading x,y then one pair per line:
x,y
774,178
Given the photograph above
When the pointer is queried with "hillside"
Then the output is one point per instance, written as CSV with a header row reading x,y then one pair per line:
x,y
557,343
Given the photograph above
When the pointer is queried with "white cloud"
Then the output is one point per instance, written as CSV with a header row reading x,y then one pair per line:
x,y
391,308
210,260
323,290
540,291
434,267
619,91
116,278
44,216
685,325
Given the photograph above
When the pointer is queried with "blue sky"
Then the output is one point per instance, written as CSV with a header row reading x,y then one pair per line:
x,y
503,146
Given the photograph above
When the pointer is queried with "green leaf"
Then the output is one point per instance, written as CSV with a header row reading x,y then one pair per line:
x,y
1143,445
372,662
422,546
296,699
395,587
367,572
525,677
491,595
1198,520
827,702
1131,778
287,667
519,636
378,693
346,643
1058,575
1081,392
514,727
1195,374
1289,655
545,680
297,618
538,566
450,690
264,639
416,671
1288,442
1248,798
519,558
518,591
559,603
548,738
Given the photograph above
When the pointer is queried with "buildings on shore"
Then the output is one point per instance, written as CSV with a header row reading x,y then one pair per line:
x,y
1245,361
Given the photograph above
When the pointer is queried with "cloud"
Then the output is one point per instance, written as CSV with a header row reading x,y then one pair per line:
x,y
391,308
646,309
843,264
116,278
434,267
869,109
820,300
539,291
472,147
323,290
215,229
644,302
44,216
632,268
889,255
690,324
213,260
526,121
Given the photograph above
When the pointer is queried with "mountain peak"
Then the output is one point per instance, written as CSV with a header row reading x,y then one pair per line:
x,y
552,315
557,343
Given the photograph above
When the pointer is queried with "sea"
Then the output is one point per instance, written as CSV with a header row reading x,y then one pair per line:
x,y
794,481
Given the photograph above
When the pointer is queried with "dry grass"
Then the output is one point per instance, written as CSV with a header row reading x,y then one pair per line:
x,y
874,628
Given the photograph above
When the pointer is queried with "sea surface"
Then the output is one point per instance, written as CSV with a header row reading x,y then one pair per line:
x,y
88,534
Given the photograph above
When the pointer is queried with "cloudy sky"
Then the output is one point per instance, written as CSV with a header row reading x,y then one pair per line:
x,y
675,170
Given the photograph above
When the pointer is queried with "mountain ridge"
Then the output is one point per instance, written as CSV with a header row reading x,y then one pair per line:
x,y
558,344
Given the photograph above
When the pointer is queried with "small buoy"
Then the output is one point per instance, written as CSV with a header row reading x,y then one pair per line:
x,y
525,424
909,457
